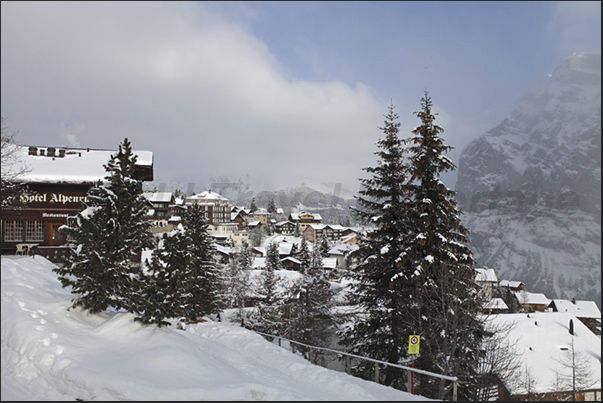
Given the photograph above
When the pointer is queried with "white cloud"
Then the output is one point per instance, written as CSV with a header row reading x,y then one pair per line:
x,y
203,94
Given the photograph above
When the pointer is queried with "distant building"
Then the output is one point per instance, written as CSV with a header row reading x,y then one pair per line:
x,y
217,208
304,219
587,311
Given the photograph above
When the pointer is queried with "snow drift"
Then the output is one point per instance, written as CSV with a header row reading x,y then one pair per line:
x,y
51,353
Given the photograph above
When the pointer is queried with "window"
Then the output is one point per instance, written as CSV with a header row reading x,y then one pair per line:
x,y
35,230
13,230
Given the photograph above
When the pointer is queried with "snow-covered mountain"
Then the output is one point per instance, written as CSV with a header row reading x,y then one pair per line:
x,y
531,186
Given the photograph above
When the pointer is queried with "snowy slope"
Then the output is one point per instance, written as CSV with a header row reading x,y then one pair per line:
x,y
531,186
49,353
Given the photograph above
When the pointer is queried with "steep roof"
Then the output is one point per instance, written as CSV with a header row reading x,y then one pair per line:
x,y
580,309
486,275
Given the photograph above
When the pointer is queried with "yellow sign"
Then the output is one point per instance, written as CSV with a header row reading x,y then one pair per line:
x,y
413,344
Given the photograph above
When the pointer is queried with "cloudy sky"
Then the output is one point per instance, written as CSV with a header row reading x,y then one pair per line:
x,y
285,92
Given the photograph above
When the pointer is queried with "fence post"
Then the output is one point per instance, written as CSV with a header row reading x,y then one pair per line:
x,y
326,360
349,364
377,372
279,341
455,391
292,347
311,356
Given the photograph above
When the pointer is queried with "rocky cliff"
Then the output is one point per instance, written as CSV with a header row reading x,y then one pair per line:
x,y
531,186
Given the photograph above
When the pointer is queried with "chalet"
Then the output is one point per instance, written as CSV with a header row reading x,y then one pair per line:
x,y
160,203
57,183
340,252
285,227
512,285
262,215
495,306
544,341
586,311
487,280
304,219
290,263
532,301
314,232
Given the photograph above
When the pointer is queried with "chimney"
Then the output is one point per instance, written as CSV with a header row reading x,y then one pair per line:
x,y
574,301
33,150
571,327
62,152
51,151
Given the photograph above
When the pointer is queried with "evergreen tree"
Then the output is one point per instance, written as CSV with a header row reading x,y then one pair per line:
x,y
446,308
108,233
271,206
314,322
269,278
324,246
380,285
161,295
269,315
304,255
202,288
238,282
297,232
253,207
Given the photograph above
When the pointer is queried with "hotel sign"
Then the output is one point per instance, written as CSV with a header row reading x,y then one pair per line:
x,y
53,198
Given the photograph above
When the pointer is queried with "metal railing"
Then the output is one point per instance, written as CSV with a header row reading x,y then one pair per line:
x,y
348,366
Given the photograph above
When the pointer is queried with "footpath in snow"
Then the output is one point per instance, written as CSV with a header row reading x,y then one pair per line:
x,y
50,353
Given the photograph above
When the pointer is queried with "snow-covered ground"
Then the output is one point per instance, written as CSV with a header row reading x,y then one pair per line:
x,y
50,353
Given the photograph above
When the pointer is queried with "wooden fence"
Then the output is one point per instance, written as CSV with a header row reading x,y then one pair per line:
x,y
348,357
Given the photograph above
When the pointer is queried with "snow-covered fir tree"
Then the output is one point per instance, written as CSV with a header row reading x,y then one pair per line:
x,y
313,321
269,316
269,277
161,295
304,256
203,286
324,245
446,306
381,293
272,206
238,283
108,233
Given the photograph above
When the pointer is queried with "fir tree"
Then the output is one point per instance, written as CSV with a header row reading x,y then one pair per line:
x,y
271,206
381,287
269,278
324,245
202,288
161,295
108,233
446,302
297,232
238,282
304,255
253,207
314,322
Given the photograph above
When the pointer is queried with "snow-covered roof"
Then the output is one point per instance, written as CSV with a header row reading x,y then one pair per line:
x,y
341,249
77,165
510,283
158,197
539,337
486,275
207,196
580,309
532,298
295,216
329,263
495,303
258,263
291,258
